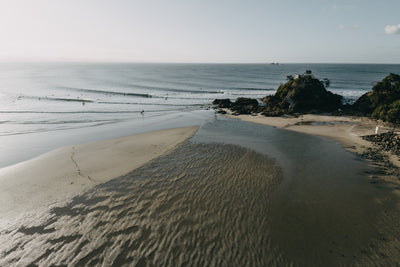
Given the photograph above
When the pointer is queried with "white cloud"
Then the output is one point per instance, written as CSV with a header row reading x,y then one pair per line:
x,y
392,29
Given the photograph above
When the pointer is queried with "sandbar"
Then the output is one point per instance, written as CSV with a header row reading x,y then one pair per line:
x,y
345,130
65,172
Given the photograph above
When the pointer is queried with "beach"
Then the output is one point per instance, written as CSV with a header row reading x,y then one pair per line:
x,y
128,164
346,130
63,173
234,193
199,133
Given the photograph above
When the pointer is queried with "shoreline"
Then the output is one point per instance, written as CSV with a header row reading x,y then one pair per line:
x,y
231,177
205,186
65,172
345,130
17,148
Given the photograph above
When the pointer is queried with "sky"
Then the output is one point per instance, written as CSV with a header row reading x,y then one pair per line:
x,y
213,31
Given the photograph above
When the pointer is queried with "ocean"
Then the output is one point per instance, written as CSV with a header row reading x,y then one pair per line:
x,y
54,96
235,194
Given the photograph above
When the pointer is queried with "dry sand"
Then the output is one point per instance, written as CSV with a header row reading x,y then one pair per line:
x,y
65,172
345,130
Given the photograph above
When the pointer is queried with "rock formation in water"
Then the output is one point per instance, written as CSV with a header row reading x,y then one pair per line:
x,y
383,102
302,94
245,106
222,103
242,105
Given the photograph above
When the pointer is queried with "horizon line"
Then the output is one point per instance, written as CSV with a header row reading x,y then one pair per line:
x,y
276,63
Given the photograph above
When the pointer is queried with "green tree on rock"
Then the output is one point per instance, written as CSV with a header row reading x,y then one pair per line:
x,y
383,102
303,94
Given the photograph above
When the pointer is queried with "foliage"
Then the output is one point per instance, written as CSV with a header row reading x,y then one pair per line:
x,y
386,91
303,94
390,113
383,101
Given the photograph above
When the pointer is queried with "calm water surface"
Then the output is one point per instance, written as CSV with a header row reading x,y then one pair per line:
x,y
47,105
38,97
236,194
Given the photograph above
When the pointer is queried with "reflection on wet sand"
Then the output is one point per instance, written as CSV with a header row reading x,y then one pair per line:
x,y
212,204
201,205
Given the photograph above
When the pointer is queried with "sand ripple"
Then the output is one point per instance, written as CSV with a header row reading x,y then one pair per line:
x,y
202,205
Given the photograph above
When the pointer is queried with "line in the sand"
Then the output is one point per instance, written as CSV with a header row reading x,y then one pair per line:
x,y
78,169
57,175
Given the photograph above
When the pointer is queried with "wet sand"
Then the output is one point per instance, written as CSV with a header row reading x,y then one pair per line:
x,y
348,131
65,172
235,194
345,130
183,209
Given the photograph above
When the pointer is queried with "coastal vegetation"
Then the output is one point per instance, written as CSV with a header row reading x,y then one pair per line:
x,y
383,102
302,94
306,94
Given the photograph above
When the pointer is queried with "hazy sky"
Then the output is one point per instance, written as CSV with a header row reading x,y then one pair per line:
x,y
365,31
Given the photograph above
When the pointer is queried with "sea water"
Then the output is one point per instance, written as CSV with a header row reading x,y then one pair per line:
x,y
54,98
236,194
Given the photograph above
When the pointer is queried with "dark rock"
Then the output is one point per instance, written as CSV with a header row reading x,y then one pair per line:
x,y
386,141
383,102
273,113
303,94
222,103
242,101
363,104
245,106
380,161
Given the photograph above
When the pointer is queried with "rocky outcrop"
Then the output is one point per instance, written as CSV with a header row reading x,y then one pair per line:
x,y
389,142
383,102
222,103
306,94
242,105
245,106
386,141
302,94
